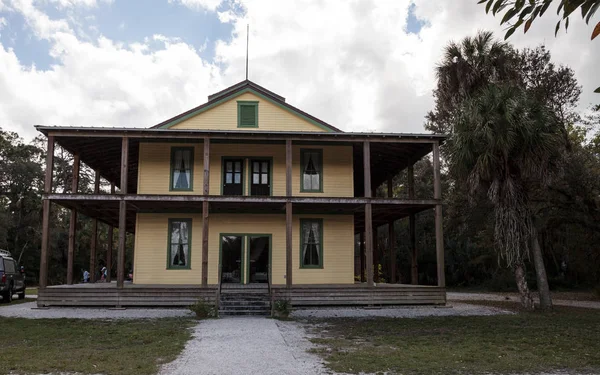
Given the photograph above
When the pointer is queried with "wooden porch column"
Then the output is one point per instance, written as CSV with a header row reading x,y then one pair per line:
x,y
109,247
368,212
412,230
43,282
122,214
439,230
72,221
362,256
94,239
205,192
391,236
288,214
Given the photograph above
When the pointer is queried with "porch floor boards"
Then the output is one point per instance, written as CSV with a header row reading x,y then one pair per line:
x,y
149,295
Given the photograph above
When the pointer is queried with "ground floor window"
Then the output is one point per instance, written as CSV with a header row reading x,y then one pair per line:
x,y
180,233
311,240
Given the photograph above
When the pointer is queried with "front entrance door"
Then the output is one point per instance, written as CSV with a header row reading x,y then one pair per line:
x,y
231,259
260,182
258,259
233,176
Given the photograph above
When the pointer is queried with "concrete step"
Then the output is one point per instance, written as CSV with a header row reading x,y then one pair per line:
x,y
243,312
243,303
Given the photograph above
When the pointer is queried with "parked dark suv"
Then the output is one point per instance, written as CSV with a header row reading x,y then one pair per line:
x,y
12,279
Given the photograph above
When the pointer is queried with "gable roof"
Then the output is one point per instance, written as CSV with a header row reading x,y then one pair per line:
x,y
242,88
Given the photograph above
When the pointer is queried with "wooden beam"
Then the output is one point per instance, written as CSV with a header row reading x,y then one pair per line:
x,y
369,243
94,237
439,230
362,256
367,168
239,199
288,168
368,212
205,233
122,214
109,245
137,133
376,255
392,249
43,282
205,212
412,230
73,221
288,215
122,243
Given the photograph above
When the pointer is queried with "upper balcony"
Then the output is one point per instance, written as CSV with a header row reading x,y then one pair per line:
x,y
243,170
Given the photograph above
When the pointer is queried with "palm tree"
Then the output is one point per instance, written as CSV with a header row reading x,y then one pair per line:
x,y
465,68
503,140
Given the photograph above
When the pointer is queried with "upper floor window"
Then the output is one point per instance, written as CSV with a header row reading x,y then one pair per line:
x,y
311,170
182,167
247,114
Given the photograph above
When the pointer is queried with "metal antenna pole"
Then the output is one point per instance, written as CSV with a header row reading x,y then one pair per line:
x,y
247,42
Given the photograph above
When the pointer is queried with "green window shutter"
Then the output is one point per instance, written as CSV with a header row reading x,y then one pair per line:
x,y
247,114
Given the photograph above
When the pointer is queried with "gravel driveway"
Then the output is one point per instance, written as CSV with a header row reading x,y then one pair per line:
x,y
30,310
246,345
460,296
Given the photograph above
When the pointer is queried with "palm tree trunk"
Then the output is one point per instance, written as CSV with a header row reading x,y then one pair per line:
x,y
526,299
540,273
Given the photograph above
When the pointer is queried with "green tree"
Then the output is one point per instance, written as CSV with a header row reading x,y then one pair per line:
x,y
503,138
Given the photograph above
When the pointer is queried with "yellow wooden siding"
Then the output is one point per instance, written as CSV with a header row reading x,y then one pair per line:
x,y
150,254
155,168
152,236
270,117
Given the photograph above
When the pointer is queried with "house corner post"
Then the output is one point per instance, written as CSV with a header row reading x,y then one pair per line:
x,y
109,245
288,215
439,230
391,237
412,230
205,212
72,221
122,213
368,212
94,237
46,207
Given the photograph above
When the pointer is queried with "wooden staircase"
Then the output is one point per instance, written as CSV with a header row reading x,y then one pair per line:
x,y
248,300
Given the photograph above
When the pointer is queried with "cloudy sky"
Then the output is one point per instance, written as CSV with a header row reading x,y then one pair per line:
x,y
360,65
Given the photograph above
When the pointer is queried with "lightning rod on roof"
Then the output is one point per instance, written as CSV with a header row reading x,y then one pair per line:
x,y
247,42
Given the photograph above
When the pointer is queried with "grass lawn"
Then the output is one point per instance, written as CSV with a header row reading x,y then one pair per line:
x,y
89,346
31,291
524,343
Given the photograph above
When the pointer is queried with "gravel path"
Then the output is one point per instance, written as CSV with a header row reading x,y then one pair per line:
x,y
246,345
29,310
455,309
459,296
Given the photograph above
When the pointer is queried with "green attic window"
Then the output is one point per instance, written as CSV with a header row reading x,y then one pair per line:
x,y
247,114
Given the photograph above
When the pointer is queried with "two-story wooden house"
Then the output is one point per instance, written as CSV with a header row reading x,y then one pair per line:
x,y
244,193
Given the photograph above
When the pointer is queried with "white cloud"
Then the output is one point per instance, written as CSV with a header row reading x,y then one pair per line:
x,y
210,5
350,63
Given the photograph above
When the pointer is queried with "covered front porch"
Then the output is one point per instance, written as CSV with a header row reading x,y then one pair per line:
x,y
148,295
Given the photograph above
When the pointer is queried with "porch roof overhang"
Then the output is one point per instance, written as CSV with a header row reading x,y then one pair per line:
x,y
105,207
100,148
